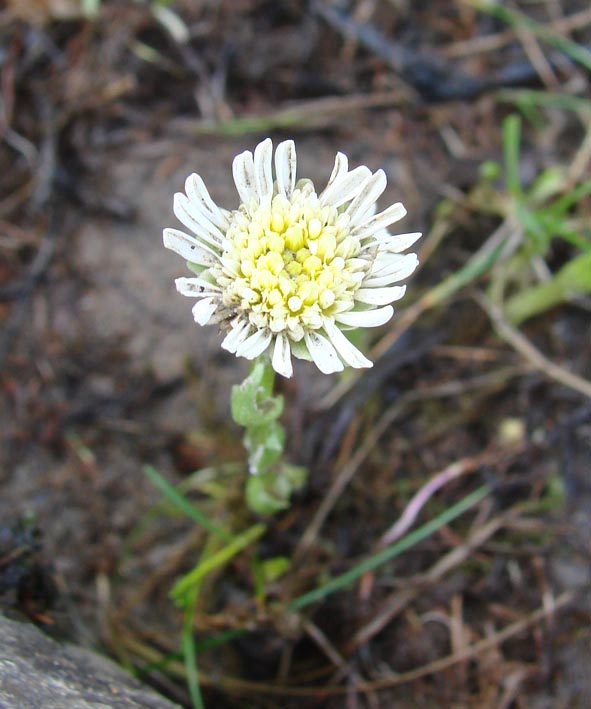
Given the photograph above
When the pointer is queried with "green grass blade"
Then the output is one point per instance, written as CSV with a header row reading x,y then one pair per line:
x,y
580,241
179,500
511,144
222,638
544,99
478,264
562,205
574,278
392,551
188,582
190,657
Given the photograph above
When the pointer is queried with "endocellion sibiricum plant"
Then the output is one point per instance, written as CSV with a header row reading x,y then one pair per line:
x,y
285,275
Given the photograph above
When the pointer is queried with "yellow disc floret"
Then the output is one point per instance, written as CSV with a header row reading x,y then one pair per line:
x,y
289,263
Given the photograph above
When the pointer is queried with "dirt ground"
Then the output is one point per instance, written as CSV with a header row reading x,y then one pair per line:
x,y
102,369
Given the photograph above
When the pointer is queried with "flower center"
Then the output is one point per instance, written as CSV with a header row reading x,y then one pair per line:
x,y
289,263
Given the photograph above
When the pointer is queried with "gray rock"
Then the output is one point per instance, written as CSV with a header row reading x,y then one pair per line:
x,y
36,671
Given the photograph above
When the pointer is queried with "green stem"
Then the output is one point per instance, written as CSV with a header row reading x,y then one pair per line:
x,y
271,481
190,655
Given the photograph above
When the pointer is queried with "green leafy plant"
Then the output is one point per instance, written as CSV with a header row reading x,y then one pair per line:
x,y
272,480
554,207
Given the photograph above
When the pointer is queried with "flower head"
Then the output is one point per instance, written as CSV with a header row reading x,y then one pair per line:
x,y
290,269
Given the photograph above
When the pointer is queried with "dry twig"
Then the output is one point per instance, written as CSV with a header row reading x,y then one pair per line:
x,y
525,348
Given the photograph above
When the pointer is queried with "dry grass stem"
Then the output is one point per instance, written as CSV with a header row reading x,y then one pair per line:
x,y
451,472
494,42
525,348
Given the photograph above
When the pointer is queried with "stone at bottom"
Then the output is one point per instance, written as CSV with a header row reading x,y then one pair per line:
x,y
36,671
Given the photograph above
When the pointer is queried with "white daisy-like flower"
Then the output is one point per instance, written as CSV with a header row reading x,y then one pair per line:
x,y
290,269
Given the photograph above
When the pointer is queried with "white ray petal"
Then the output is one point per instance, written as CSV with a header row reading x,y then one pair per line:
x,y
379,296
366,318
341,167
243,173
230,265
282,356
380,281
254,345
222,313
324,355
371,211
395,243
347,351
195,221
400,242
239,332
198,194
380,221
367,197
392,272
388,261
263,172
189,248
204,309
345,188
202,217
285,167
196,287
